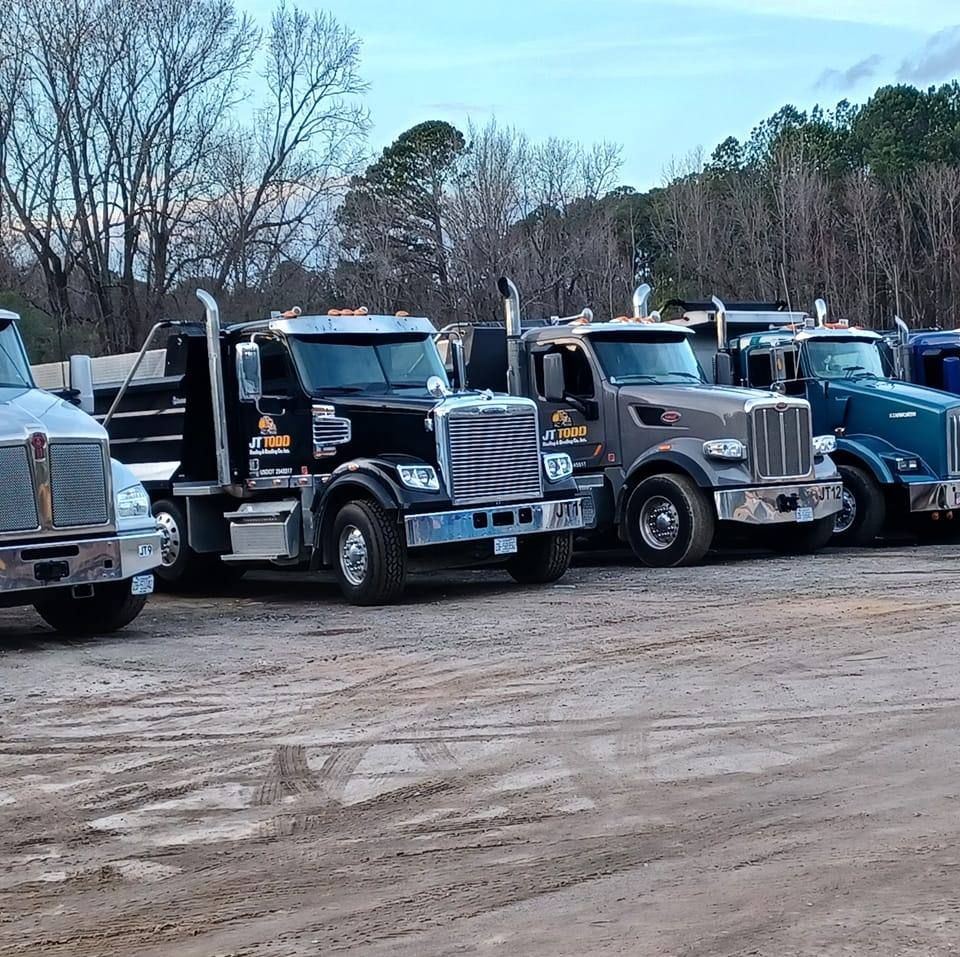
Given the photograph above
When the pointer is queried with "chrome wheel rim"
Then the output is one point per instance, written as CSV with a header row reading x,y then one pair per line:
x,y
847,514
659,522
169,538
353,555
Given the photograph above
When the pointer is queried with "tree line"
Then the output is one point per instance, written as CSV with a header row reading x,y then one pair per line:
x,y
147,149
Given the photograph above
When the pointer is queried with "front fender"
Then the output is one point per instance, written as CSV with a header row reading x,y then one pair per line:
x,y
675,459
874,454
687,459
365,478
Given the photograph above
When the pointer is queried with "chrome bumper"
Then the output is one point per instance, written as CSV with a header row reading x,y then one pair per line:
x,y
474,524
779,504
934,496
86,562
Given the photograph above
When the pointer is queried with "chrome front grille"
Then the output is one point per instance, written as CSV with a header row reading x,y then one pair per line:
x,y
18,504
953,442
78,484
494,453
782,441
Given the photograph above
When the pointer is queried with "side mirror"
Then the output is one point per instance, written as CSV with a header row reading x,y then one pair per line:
x,y
81,382
249,376
437,388
723,369
554,385
459,358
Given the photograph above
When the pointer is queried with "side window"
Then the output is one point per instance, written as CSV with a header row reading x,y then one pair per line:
x,y
275,368
760,370
577,372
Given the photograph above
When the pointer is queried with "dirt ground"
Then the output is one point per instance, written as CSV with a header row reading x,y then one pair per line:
x,y
753,757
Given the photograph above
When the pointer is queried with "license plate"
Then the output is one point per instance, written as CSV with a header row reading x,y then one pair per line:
x,y
505,546
804,514
141,585
953,495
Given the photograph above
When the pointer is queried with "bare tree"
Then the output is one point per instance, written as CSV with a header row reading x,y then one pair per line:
x,y
278,176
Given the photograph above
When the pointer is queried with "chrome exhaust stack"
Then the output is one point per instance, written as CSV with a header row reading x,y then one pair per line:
x,y
641,300
511,316
721,319
903,331
820,307
217,394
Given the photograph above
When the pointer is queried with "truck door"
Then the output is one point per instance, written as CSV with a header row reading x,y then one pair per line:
x,y
276,432
575,426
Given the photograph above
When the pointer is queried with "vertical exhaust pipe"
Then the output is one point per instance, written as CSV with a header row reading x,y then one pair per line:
x,y
641,300
721,318
903,331
217,395
820,307
511,315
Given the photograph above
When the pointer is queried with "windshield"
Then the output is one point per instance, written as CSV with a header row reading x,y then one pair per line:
x,y
14,368
366,363
843,359
648,358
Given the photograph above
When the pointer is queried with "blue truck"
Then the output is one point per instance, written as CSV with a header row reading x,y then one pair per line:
x,y
898,442
929,357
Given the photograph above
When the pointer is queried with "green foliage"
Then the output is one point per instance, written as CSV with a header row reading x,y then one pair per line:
x,y
901,128
43,341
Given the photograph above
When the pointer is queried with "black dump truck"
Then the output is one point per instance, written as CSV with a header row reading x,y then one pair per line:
x,y
660,456
332,441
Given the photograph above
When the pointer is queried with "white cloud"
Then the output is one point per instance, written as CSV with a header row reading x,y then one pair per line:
x,y
938,60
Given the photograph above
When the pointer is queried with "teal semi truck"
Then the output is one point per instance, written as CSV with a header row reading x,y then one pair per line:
x,y
898,443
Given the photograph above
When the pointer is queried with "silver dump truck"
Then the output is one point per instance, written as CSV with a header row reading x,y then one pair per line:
x,y
77,537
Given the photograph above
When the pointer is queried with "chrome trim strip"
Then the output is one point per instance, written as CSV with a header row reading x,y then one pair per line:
x,y
759,506
439,528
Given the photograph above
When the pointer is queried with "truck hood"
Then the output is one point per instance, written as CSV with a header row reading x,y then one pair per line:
x,y
895,394
721,400
23,412
908,418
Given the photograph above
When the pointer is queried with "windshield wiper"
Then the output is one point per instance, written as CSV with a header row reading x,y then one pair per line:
x,y
865,373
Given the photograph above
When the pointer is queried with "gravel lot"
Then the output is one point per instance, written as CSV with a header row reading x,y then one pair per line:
x,y
753,757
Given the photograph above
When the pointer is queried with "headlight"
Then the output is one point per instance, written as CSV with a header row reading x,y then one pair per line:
x,y
133,502
557,465
907,465
824,444
733,450
423,478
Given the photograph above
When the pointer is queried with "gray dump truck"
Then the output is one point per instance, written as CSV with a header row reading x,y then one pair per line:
x,y
662,458
77,540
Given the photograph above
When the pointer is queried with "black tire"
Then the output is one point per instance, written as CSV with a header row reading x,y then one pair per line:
x,y
802,539
541,559
864,508
376,570
678,521
110,608
183,569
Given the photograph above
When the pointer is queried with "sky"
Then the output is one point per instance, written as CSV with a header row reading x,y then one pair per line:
x,y
662,78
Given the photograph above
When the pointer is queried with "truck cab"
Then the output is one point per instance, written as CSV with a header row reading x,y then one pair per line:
x,y
897,442
929,357
77,540
662,456
334,441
